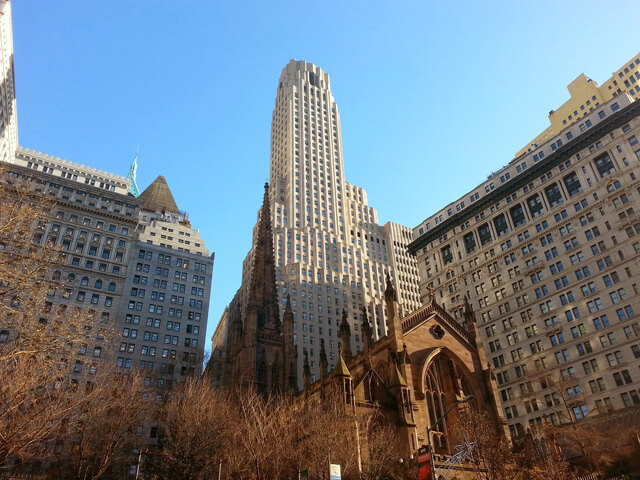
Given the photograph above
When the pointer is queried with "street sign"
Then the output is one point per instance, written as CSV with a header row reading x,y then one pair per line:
x,y
334,472
424,463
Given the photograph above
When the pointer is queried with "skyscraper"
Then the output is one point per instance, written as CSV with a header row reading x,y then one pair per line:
x,y
546,250
330,252
8,115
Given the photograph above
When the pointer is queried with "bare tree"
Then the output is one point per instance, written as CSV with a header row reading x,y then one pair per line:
x,y
46,412
36,396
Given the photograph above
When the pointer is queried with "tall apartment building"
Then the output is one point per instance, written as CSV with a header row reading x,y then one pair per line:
x,y
95,225
330,252
587,96
8,113
547,251
163,315
135,264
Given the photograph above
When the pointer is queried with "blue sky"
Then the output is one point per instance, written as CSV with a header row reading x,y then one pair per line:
x,y
433,96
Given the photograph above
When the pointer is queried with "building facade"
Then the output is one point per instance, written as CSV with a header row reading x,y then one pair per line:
x,y
546,250
330,252
257,341
135,265
587,96
8,113
163,315
426,365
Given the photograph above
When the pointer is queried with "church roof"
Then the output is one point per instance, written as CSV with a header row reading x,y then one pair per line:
x,y
158,197
341,368
396,377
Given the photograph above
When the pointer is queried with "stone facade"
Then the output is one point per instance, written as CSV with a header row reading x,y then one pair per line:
x,y
546,250
425,364
258,344
330,251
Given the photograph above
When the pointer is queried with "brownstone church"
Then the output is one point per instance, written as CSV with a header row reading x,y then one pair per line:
x,y
425,365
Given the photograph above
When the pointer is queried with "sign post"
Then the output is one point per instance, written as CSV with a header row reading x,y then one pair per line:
x,y
334,472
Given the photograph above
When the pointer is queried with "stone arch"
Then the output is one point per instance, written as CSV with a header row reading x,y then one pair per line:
x,y
444,380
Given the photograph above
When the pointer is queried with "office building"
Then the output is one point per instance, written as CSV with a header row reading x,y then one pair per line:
x,y
135,264
330,252
546,252
8,113
163,315
587,96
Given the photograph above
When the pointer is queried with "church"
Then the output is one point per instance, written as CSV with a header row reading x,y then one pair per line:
x,y
425,365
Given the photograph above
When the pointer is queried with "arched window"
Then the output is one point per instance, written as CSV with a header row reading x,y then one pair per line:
x,y
98,283
71,277
85,281
56,275
112,287
436,400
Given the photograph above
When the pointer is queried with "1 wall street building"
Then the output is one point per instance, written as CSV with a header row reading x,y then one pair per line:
x,y
330,252
546,250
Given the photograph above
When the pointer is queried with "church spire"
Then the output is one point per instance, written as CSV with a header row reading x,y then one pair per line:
x,y
367,331
324,364
394,325
263,296
345,337
306,370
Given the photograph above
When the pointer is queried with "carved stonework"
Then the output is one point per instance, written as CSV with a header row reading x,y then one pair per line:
x,y
437,331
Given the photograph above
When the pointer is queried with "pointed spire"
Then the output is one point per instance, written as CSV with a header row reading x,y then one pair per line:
x,y
263,296
288,312
324,364
345,337
394,325
341,369
157,197
306,370
367,331
133,186
390,291
396,377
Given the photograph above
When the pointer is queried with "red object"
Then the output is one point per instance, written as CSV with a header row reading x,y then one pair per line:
x,y
424,463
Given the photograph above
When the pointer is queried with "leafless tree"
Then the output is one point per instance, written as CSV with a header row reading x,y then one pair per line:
x,y
59,403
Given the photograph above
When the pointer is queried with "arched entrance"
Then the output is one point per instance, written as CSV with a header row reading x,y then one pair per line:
x,y
444,385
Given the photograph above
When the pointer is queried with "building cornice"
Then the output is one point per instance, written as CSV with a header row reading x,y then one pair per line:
x,y
562,154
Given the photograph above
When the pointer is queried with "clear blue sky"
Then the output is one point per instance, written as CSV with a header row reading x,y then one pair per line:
x,y
433,95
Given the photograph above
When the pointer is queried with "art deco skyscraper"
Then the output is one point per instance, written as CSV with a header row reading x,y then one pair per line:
x,y
330,252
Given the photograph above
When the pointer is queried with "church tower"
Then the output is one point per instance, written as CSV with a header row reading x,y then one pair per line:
x,y
261,347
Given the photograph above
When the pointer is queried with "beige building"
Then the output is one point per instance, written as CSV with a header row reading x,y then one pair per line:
x,y
547,250
405,265
164,311
330,252
586,96
8,114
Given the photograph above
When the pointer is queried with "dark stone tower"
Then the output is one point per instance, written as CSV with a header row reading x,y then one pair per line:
x,y
345,337
261,348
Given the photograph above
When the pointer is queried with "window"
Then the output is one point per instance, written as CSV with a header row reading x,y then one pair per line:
x,y
517,215
605,165
535,205
500,223
572,183
553,195
484,232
